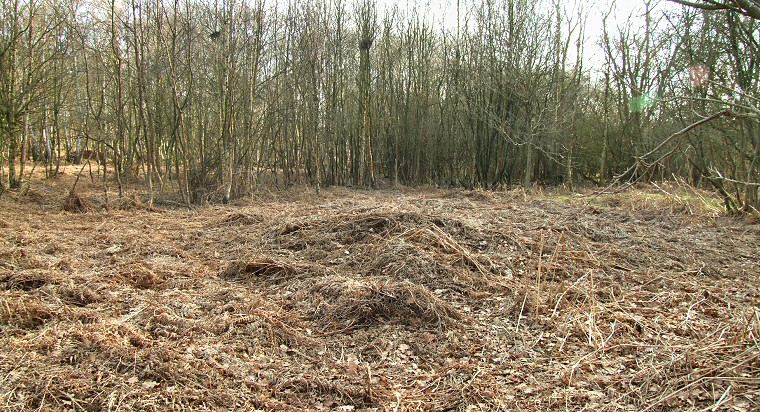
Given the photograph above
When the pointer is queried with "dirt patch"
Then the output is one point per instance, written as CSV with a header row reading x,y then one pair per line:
x,y
391,300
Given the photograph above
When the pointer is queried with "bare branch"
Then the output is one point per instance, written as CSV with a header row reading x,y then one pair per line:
x,y
637,175
749,8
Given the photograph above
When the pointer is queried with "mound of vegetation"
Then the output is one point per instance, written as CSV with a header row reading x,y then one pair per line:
x,y
391,300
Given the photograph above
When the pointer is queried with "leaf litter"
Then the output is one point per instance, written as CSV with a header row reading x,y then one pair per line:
x,y
397,300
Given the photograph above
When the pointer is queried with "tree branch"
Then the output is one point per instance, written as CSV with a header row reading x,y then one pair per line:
x,y
749,8
637,175
703,6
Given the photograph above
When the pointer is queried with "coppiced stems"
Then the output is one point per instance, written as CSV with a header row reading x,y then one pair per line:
x,y
218,98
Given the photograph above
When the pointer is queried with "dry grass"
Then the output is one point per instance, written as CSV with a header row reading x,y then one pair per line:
x,y
399,300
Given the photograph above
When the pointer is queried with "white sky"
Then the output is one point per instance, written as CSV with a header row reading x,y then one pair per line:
x,y
626,13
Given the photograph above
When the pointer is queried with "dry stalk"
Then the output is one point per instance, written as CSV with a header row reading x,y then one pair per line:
x,y
562,295
538,275
520,316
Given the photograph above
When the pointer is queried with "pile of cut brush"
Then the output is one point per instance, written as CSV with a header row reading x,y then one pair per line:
x,y
398,300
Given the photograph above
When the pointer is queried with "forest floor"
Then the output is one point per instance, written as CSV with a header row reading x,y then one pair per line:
x,y
392,300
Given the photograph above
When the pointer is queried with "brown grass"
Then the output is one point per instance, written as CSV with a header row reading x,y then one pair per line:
x,y
398,300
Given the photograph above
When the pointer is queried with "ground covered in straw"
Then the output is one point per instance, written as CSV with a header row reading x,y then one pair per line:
x,y
397,300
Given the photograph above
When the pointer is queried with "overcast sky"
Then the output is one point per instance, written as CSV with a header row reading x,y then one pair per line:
x,y
625,13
